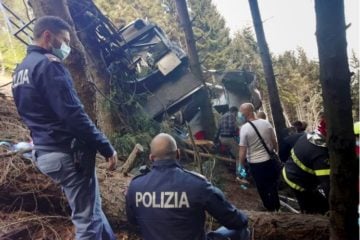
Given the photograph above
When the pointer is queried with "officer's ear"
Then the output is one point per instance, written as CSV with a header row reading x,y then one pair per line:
x,y
151,157
47,36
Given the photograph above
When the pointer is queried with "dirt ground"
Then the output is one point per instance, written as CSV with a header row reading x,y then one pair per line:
x,y
4,79
59,226
246,199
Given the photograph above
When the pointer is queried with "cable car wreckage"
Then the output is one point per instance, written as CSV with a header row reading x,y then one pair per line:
x,y
156,68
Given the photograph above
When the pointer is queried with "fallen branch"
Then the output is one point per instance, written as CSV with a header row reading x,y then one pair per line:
x,y
129,164
9,153
290,208
25,225
196,151
209,155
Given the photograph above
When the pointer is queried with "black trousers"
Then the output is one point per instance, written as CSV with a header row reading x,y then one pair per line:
x,y
266,176
312,201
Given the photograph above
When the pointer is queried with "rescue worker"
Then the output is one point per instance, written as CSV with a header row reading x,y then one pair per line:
x,y
289,141
307,169
169,202
263,168
48,104
229,131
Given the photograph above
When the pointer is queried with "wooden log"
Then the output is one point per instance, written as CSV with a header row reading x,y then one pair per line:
x,y
113,187
288,226
130,162
209,155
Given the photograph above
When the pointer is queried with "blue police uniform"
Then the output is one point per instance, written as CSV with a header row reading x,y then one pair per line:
x,y
170,203
48,104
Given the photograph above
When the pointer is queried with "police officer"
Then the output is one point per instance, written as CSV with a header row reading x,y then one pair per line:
x,y
307,169
169,202
48,104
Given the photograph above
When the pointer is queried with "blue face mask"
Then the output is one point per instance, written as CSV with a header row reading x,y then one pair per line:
x,y
241,118
62,52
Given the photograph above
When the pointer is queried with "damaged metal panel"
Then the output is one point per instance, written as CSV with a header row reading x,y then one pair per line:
x,y
238,87
172,95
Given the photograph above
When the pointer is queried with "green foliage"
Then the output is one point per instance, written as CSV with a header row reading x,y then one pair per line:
x,y
12,51
10,56
211,34
137,126
142,130
244,53
299,86
156,11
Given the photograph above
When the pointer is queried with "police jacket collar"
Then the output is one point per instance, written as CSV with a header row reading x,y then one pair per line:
x,y
34,48
166,163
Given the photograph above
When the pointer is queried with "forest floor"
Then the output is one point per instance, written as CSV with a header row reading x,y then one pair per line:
x,y
25,193
4,79
11,128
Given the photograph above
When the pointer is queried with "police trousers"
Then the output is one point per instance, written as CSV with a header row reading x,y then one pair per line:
x,y
82,193
224,233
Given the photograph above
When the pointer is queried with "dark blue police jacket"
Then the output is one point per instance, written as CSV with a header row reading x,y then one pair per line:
x,y
48,104
169,203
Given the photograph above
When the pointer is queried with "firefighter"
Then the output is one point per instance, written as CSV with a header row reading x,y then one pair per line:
x,y
307,171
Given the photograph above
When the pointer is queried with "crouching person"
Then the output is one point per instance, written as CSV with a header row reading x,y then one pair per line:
x,y
170,202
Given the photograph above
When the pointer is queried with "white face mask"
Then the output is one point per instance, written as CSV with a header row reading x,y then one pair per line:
x,y
62,52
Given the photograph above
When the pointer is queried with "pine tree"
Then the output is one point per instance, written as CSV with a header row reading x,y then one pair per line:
x,y
211,34
299,88
161,13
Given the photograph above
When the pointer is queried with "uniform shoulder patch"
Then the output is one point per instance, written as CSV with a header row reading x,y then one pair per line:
x,y
196,174
52,58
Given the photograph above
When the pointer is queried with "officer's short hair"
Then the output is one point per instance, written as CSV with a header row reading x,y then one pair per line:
x,y
51,23
167,150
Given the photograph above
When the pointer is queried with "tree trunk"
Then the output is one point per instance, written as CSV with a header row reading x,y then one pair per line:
x,y
287,226
87,33
335,82
275,104
76,62
207,117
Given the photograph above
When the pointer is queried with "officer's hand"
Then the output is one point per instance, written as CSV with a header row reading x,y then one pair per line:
x,y
112,162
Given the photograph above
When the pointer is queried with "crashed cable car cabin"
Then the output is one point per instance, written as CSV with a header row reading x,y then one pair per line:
x,y
155,67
